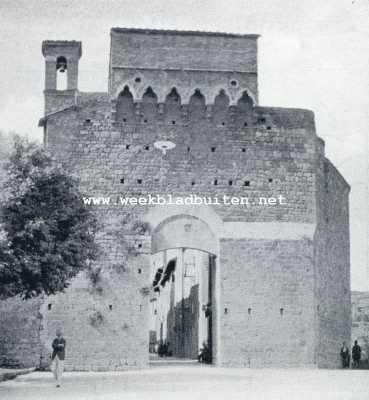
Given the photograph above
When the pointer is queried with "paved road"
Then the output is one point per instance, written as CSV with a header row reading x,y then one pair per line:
x,y
193,383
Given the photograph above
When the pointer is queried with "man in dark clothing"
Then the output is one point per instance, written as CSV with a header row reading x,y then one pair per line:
x,y
58,356
204,354
345,356
356,355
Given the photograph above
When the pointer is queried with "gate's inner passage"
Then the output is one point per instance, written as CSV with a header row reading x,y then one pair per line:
x,y
180,306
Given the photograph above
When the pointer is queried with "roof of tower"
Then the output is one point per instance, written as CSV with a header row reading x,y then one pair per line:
x,y
150,31
62,43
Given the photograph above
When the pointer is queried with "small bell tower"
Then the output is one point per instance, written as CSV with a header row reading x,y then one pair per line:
x,y
61,73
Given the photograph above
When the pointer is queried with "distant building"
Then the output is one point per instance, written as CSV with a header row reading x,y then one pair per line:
x,y
360,321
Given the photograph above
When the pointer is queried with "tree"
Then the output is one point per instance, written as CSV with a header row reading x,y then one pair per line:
x,y
47,234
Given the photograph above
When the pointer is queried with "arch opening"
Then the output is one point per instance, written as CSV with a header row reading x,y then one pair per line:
x,y
61,73
173,107
221,104
183,301
149,105
125,106
197,106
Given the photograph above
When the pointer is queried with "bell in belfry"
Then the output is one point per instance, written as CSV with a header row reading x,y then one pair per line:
x,y
61,64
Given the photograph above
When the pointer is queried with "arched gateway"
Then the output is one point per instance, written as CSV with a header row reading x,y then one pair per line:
x,y
183,302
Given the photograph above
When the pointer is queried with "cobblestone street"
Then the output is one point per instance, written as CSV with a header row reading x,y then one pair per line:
x,y
193,382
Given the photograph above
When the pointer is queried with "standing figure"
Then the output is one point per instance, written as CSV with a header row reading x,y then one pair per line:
x,y
356,355
58,356
345,356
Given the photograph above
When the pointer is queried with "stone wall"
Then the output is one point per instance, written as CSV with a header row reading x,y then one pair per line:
x,y
332,264
187,59
20,324
267,297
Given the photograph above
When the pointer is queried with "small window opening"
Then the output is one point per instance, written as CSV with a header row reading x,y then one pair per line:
x,y
139,181
245,124
137,79
223,123
124,119
193,183
270,180
281,311
249,311
188,149
128,146
121,180
145,121
226,311
49,306
215,182
147,147
173,122
110,307
246,183
213,149
261,120
233,82
88,121
139,270
269,128
139,245
243,150
230,183
156,312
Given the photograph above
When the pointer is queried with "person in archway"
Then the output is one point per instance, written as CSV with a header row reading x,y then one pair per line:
x,y
356,355
345,356
58,356
204,354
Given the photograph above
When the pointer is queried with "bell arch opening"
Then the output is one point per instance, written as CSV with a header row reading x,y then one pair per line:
x,y
183,305
61,73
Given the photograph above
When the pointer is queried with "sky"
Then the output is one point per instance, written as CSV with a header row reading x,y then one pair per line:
x,y
312,54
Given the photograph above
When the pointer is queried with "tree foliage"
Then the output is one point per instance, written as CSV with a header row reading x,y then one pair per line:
x,y
47,234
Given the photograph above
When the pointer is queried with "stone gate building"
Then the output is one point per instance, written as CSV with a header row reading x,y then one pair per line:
x,y
181,117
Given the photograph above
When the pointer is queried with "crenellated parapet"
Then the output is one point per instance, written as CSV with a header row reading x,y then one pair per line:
x,y
185,83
